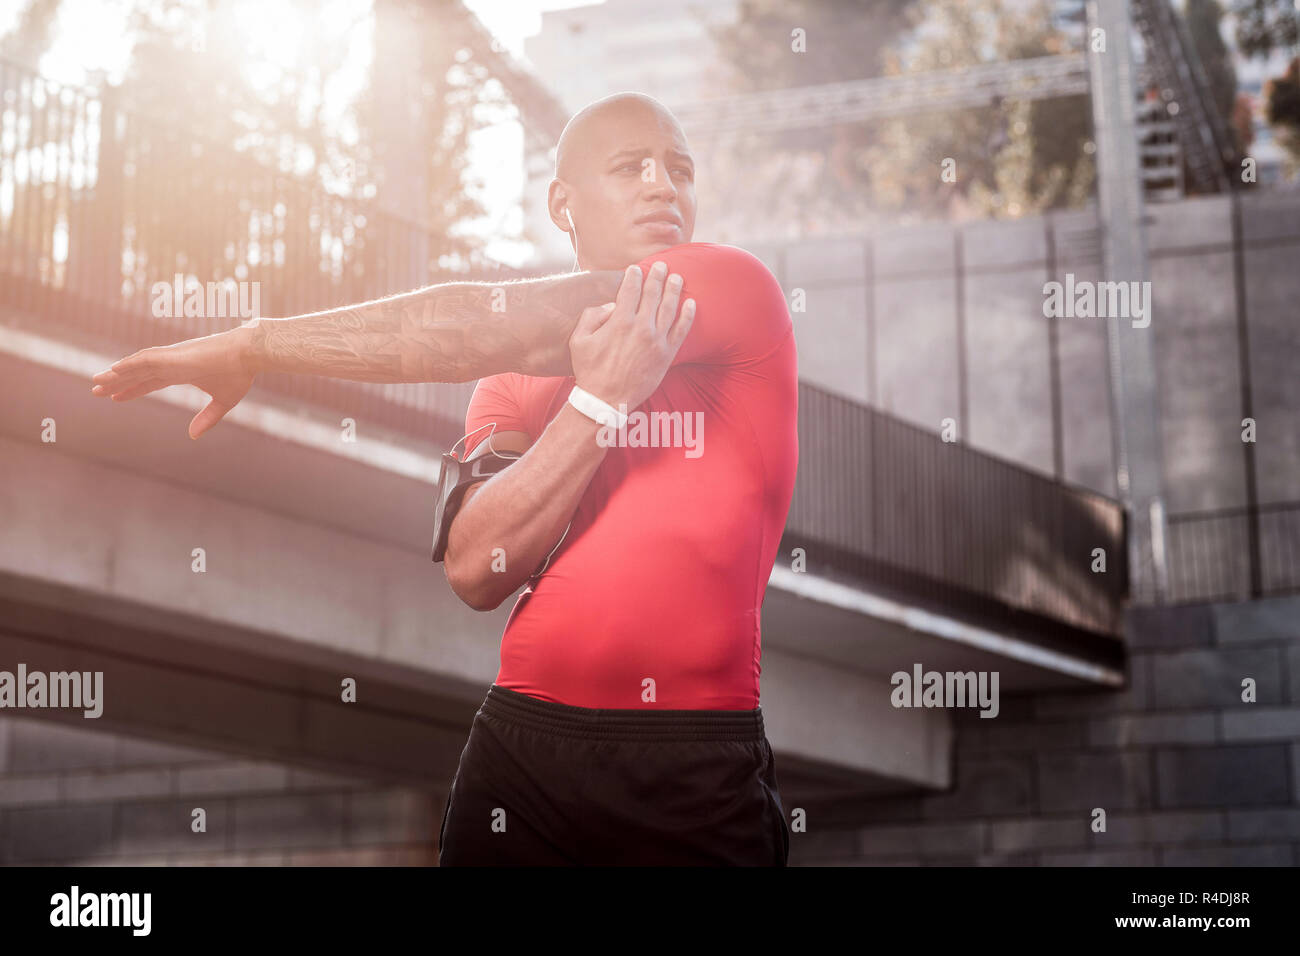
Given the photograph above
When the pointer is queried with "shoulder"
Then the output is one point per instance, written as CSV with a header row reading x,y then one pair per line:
x,y
503,383
712,255
723,274
525,391
711,267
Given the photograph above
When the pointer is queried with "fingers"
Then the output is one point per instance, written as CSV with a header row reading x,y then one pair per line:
x,y
651,299
144,388
111,382
629,292
652,292
668,305
212,413
122,375
592,318
682,327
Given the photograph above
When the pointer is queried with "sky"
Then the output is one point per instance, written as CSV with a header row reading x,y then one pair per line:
x,y
92,35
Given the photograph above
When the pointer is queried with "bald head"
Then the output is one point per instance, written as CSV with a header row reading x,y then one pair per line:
x,y
624,184
581,138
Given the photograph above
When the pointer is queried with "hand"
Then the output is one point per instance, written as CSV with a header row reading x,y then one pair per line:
x,y
622,349
214,363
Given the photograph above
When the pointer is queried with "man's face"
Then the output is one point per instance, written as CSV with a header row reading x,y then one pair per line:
x,y
635,194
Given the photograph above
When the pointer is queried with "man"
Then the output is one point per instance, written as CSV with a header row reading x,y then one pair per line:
x,y
624,724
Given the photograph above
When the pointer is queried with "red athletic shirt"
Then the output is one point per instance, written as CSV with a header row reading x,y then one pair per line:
x,y
662,574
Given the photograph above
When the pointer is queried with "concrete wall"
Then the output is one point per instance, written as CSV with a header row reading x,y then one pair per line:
x,y
69,795
908,318
939,321
1188,774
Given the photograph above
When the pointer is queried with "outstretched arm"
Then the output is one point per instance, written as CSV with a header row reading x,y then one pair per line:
x,y
455,332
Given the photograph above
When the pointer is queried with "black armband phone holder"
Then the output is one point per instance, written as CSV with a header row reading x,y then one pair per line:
x,y
454,478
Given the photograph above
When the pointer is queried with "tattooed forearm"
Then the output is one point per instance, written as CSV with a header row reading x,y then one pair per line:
x,y
455,332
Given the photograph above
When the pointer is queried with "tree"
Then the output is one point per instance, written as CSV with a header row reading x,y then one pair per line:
x,y
844,41
1282,95
1262,27
440,100
1010,159
797,181
30,38
206,119
1266,25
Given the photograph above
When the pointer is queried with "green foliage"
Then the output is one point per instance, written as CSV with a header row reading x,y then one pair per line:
x,y
1262,27
1013,158
845,40
191,79
1266,25
1282,108
809,180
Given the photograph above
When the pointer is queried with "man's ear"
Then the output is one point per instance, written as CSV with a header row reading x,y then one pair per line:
x,y
557,199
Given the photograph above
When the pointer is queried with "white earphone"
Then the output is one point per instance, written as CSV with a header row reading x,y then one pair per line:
x,y
569,216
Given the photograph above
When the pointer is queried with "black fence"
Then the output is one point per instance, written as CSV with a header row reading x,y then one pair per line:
x,y
1232,554
97,204
881,499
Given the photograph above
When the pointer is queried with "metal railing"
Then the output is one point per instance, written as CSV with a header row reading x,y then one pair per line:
x,y
881,499
1204,136
1216,556
98,203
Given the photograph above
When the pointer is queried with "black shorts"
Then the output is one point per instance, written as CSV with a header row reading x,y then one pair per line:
x,y
545,784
